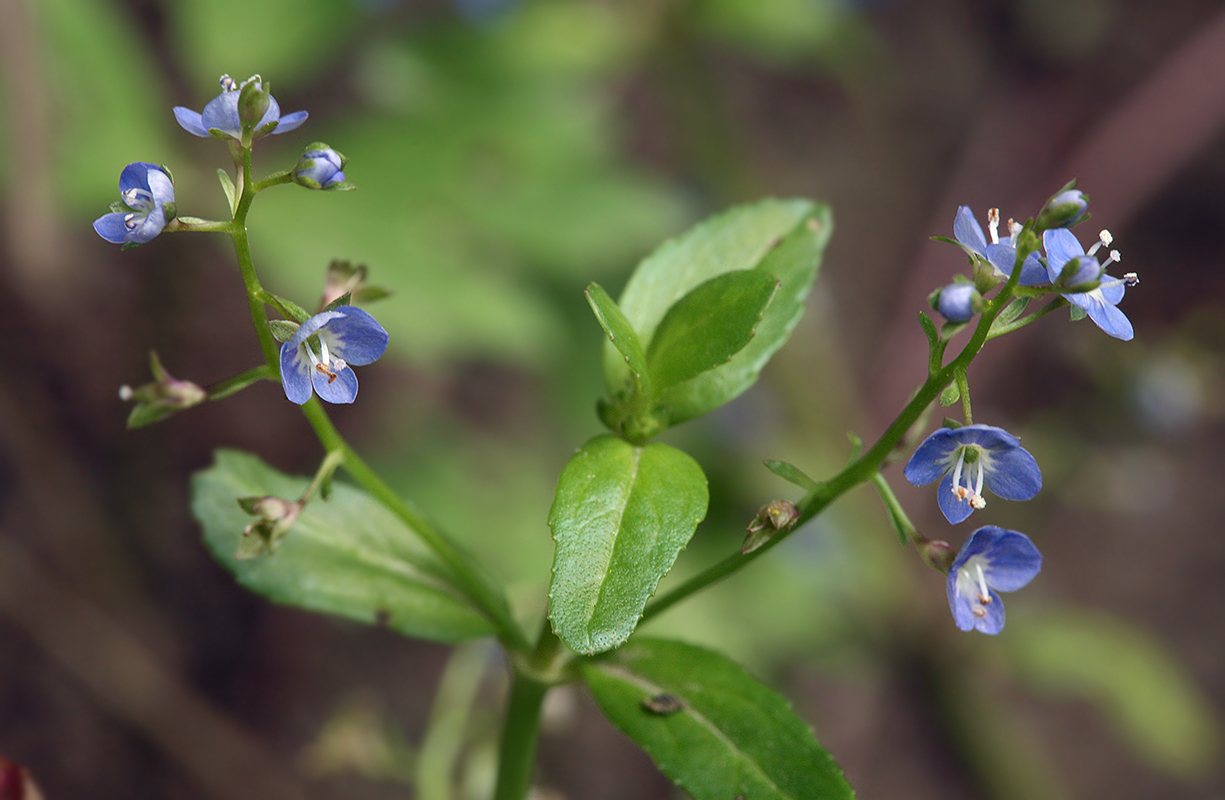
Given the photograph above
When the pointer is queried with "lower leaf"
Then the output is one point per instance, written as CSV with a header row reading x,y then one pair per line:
x,y
717,732
348,556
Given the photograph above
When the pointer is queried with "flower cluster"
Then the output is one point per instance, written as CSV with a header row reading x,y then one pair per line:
x,y
317,356
1071,271
971,459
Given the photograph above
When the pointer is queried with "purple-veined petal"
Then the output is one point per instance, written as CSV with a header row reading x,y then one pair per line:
x,y
190,121
341,389
295,372
111,227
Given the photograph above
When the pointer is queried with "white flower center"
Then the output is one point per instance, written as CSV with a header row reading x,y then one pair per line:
x,y
975,495
972,582
324,362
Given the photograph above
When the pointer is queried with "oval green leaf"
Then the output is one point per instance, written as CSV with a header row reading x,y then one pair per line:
x,y
783,238
709,325
712,728
620,517
347,556
620,333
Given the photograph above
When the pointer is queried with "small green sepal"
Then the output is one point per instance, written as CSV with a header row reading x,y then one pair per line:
x,y
791,474
282,329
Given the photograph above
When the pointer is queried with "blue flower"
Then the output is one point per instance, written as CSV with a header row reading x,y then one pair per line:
x,y
1001,253
321,350
221,114
1099,303
1063,210
992,560
968,457
958,302
147,190
319,167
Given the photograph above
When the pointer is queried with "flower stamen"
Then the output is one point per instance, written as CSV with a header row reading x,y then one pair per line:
x,y
993,224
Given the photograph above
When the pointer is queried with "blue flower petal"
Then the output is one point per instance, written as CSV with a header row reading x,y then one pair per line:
x,y
147,226
291,122
1013,475
963,607
311,326
931,458
955,509
968,232
1061,246
136,176
1004,257
1014,561
295,372
341,389
1106,316
221,114
190,121
359,339
111,227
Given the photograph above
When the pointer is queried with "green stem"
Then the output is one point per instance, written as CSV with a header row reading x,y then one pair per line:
x,y
474,583
861,469
521,730
227,387
520,735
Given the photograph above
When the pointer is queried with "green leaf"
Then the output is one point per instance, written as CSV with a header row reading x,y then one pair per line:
x,y
348,556
782,238
929,329
791,474
950,395
620,517
620,333
227,186
1149,697
711,727
709,325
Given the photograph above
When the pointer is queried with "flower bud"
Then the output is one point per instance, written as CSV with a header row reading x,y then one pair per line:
x,y
274,518
1065,209
957,302
775,516
937,554
164,396
253,103
320,168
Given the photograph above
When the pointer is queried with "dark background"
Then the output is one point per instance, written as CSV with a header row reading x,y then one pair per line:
x,y
508,154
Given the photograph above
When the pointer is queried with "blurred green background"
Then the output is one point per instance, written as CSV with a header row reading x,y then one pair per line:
x,y
508,152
